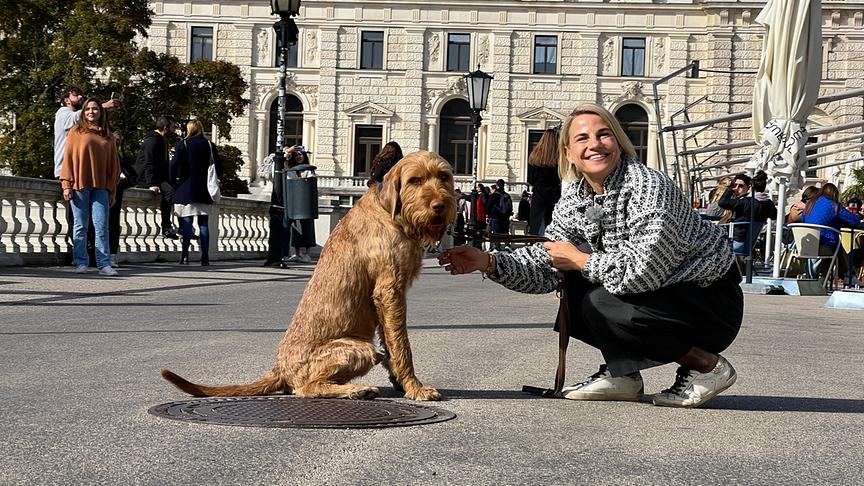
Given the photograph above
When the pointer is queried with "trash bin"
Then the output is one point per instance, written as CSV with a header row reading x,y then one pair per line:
x,y
301,194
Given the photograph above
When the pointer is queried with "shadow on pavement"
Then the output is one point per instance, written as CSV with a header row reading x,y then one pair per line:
x,y
755,403
503,325
451,394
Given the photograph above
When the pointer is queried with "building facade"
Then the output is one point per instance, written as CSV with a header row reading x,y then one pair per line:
x,y
367,72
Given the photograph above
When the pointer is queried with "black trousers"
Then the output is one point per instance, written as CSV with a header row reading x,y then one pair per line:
x,y
166,207
639,331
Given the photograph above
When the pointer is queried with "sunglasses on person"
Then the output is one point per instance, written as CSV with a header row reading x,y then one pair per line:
x,y
739,185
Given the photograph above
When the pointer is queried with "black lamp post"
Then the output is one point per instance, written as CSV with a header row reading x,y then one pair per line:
x,y
287,31
478,94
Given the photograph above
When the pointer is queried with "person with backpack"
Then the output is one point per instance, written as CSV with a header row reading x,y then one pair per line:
x,y
500,209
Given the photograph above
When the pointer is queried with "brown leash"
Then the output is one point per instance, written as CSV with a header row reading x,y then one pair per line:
x,y
563,318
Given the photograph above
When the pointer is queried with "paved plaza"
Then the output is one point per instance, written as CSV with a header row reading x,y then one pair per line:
x,y
81,357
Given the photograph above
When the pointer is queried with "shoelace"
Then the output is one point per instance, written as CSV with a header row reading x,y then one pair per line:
x,y
683,377
601,373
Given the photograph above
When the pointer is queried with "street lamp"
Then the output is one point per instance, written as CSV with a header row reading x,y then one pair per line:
x,y
287,31
478,94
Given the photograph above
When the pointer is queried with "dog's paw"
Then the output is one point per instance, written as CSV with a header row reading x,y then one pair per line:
x,y
423,393
367,393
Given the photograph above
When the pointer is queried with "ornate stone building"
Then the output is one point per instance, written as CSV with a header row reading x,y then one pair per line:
x,y
366,72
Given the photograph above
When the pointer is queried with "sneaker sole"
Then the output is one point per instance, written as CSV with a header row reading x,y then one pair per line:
x,y
731,381
597,396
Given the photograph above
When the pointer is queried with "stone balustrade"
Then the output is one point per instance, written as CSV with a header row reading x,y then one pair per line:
x,y
34,228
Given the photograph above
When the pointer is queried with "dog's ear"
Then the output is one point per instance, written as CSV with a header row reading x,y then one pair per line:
x,y
389,195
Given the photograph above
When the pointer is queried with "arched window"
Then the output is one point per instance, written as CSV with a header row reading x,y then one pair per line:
x,y
456,135
634,121
293,122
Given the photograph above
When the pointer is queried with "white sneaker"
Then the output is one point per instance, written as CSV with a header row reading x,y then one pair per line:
x,y
81,269
292,258
108,271
602,386
305,259
692,389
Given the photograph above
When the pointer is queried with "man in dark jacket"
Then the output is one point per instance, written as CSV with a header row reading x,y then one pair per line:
x,y
499,210
738,199
152,167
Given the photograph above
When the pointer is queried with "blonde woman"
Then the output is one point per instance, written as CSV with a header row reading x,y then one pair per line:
x,y
89,177
188,176
648,282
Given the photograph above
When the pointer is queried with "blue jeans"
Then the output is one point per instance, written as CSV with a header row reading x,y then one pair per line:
x,y
88,203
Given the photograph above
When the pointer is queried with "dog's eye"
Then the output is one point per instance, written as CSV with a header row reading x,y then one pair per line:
x,y
415,180
444,177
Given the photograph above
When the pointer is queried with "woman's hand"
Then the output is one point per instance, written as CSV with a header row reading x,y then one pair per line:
x,y
464,259
565,256
67,194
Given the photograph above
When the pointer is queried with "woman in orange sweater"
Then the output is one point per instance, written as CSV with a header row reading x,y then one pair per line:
x,y
89,176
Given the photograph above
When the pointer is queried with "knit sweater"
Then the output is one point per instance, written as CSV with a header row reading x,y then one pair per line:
x,y
90,162
642,234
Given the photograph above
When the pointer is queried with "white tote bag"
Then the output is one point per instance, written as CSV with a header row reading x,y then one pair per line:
x,y
213,178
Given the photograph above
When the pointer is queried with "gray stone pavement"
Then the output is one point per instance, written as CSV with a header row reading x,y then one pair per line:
x,y
80,360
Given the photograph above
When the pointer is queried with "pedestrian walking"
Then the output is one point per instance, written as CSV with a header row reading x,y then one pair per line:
x,y
188,175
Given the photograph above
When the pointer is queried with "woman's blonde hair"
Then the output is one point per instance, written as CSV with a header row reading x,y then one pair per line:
x,y
194,128
545,153
568,171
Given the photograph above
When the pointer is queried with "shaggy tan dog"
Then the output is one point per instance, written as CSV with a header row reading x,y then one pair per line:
x,y
360,285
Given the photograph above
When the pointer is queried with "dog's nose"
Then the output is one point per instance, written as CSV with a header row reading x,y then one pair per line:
x,y
438,206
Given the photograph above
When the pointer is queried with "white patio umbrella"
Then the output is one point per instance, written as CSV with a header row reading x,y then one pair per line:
x,y
787,85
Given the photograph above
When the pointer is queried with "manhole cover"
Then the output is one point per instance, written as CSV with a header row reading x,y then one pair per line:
x,y
308,413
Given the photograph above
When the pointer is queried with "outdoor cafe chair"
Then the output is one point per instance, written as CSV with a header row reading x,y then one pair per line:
x,y
806,238
754,235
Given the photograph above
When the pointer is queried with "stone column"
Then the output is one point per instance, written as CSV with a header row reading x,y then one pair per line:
x,y
326,136
411,99
261,147
494,137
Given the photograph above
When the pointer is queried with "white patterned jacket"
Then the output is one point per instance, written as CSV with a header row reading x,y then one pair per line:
x,y
648,237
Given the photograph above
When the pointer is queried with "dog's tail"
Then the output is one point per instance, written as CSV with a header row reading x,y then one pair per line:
x,y
267,384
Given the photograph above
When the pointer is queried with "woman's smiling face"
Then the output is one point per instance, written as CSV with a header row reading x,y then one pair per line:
x,y
91,112
592,148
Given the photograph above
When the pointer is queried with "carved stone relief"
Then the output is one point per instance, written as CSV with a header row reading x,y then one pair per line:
x,y
433,46
312,93
456,84
262,47
608,55
483,49
632,89
311,45
659,53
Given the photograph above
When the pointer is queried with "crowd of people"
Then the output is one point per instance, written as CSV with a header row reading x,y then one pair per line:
x,y
92,176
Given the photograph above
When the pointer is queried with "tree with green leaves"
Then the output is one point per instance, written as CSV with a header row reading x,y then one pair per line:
x,y
857,186
46,45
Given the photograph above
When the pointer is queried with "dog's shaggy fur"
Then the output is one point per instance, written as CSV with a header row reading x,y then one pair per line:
x,y
360,284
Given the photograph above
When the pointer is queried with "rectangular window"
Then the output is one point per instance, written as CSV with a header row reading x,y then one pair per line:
x,y
812,174
372,50
367,144
458,52
633,57
292,53
456,144
202,44
545,54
